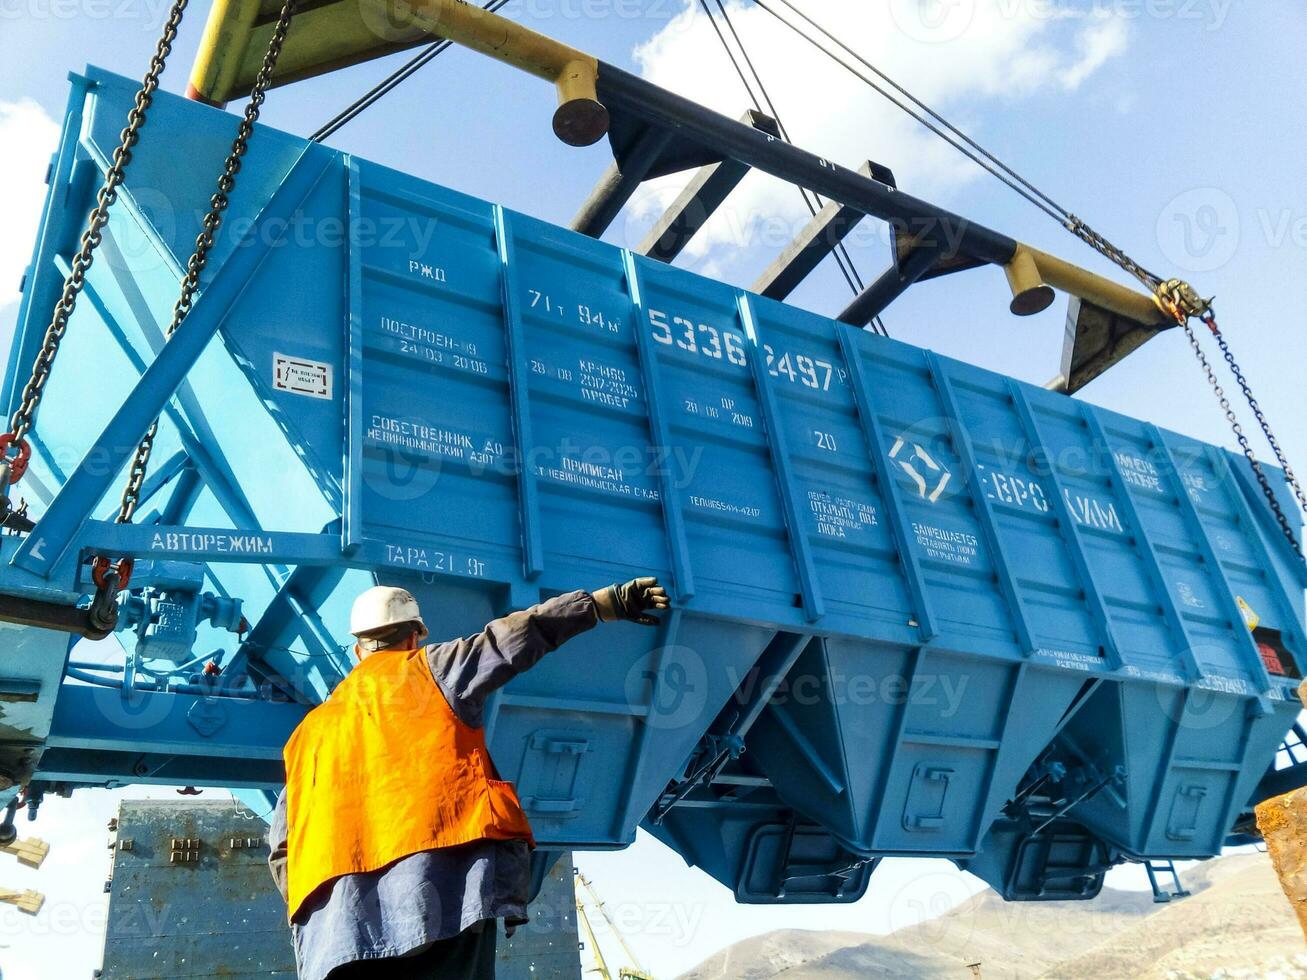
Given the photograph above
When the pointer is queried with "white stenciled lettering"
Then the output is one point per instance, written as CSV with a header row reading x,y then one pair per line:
x,y
209,542
595,476
726,346
424,335
424,270
1138,471
430,560
839,517
603,384
1070,660
1188,596
595,470
725,506
1093,513
1223,685
604,398
1017,491
942,544
411,434
585,315
1195,485
1014,490
599,370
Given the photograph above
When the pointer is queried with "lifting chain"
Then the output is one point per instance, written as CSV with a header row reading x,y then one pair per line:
x,y
1209,318
1182,317
116,574
12,469
1178,299
204,243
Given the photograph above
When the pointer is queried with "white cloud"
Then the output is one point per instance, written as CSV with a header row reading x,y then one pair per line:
x,y
1101,40
962,57
28,136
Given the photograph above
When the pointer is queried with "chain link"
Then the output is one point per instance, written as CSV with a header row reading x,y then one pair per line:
x,y
25,416
1183,302
1237,371
1180,300
1280,518
204,244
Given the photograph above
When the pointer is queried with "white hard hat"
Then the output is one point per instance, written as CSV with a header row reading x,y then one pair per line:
x,y
382,606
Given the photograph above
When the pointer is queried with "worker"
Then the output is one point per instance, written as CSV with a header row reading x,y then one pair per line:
x,y
395,843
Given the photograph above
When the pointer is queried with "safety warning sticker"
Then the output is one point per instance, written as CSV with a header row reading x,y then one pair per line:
x,y
301,376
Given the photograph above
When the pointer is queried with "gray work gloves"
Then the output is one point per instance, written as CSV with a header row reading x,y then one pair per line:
x,y
631,601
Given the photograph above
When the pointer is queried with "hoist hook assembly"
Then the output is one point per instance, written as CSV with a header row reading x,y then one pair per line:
x,y
1181,301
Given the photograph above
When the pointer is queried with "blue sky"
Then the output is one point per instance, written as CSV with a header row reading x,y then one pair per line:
x,y
1173,126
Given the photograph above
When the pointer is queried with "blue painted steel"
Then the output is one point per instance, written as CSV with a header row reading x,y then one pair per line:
x,y
961,439
165,615
43,282
1283,556
941,610
779,453
1257,571
673,512
1067,525
1227,602
352,379
532,558
1148,552
173,739
89,481
888,487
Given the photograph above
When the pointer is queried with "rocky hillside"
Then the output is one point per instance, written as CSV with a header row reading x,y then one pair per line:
x,y
1236,924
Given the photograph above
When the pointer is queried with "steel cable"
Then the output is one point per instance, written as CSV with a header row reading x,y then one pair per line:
x,y
842,257
390,83
963,143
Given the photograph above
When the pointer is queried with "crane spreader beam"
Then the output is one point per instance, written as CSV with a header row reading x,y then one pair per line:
x,y
596,98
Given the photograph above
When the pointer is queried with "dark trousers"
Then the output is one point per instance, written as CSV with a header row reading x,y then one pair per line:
x,y
468,956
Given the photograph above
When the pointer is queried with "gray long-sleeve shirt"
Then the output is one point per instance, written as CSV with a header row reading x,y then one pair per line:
x,y
435,895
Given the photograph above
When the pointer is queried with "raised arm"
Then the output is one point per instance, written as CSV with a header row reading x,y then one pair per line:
x,y
468,670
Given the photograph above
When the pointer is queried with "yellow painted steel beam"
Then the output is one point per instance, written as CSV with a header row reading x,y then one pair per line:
x,y
320,40
1030,294
581,119
333,35
1031,273
227,34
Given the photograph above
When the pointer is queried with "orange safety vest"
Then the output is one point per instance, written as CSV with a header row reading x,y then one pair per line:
x,y
384,769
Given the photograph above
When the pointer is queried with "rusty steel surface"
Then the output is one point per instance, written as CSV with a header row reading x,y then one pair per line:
x,y
1283,823
190,895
